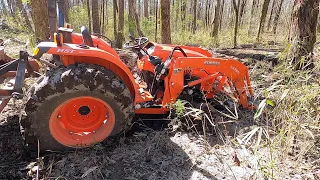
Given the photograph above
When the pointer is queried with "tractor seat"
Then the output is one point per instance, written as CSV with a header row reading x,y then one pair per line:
x,y
155,60
86,37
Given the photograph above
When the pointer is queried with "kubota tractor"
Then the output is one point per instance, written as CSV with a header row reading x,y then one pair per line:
x,y
93,95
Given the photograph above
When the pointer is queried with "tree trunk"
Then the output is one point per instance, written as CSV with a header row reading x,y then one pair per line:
x,y
252,25
194,22
66,11
95,17
199,10
131,18
89,15
216,25
24,14
183,14
165,22
40,19
303,37
277,16
102,26
263,18
156,14
139,10
52,15
236,24
145,8
207,14
120,37
177,10
115,31
271,17
241,10
221,14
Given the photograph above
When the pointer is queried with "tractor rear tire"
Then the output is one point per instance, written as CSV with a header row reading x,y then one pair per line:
x,y
76,83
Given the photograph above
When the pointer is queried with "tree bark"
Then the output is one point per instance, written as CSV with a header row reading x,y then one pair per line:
x,y
40,19
24,14
241,10
183,14
89,15
131,18
215,29
120,38
156,15
221,14
263,18
194,22
145,8
271,17
95,17
303,37
236,24
252,25
165,22
66,10
277,16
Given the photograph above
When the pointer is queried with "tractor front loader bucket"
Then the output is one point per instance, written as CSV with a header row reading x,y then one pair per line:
x,y
12,75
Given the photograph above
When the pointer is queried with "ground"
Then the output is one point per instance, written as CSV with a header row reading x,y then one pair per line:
x,y
149,152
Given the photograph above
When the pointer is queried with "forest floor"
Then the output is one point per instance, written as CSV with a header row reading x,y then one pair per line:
x,y
233,149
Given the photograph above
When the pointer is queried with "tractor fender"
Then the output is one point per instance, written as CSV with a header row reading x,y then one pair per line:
x,y
72,53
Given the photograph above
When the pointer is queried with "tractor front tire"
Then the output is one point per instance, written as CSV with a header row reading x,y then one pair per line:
x,y
76,107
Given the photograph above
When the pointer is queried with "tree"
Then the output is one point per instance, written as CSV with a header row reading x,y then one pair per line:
x,y
263,18
115,31
40,19
95,17
134,25
252,25
145,8
165,22
52,15
215,28
183,14
277,16
241,10
156,15
236,6
304,25
120,36
271,14
194,22
24,14
89,15
66,8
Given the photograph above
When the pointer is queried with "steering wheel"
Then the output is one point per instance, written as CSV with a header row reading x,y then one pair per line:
x,y
86,37
137,43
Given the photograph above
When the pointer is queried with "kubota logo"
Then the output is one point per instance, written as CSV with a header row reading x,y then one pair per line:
x,y
66,50
235,69
216,63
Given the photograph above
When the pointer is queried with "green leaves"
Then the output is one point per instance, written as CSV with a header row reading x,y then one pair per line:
x,y
261,107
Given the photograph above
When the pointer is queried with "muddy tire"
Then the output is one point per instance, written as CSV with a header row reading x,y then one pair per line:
x,y
66,83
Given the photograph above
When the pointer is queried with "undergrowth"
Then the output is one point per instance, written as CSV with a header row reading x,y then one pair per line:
x,y
284,133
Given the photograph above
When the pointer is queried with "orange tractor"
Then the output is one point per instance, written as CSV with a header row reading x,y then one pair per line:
x,y
93,94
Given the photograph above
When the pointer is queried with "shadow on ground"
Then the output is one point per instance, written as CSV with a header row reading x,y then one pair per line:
x,y
147,154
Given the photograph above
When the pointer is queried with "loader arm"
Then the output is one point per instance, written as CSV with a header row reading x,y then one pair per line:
x,y
213,74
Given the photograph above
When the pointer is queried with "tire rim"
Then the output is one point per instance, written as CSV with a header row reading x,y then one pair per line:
x,y
81,121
